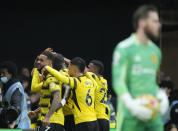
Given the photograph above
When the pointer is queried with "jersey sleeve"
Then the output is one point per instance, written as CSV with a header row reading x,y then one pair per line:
x,y
72,82
36,83
119,71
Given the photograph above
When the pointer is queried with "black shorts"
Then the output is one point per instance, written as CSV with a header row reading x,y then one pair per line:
x,y
69,124
103,125
51,127
87,126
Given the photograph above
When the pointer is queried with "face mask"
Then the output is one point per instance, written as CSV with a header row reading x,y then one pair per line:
x,y
4,80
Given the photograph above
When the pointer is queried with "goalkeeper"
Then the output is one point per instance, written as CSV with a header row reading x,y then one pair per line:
x,y
136,61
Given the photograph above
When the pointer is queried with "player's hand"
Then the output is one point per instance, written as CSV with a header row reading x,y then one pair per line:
x,y
11,125
32,114
43,72
136,107
46,122
48,49
164,102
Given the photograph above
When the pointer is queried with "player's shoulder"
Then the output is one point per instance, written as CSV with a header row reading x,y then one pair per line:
x,y
103,79
126,43
50,78
93,75
86,81
155,47
64,71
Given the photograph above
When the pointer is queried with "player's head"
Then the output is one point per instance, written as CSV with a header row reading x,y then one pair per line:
x,y
76,66
58,62
96,67
146,19
44,59
8,70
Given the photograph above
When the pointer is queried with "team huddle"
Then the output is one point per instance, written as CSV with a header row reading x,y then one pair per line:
x,y
73,97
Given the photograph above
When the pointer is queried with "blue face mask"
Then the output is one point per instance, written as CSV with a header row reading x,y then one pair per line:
x,y
4,80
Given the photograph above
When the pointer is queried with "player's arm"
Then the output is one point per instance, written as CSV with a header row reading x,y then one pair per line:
x,y
33,114
56,102
61,77
36,83
67,92
119,72
67,61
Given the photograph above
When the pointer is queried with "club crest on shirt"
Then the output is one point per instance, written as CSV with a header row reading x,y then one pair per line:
x,y
154,59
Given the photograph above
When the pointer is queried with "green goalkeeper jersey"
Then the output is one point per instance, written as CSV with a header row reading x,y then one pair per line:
x,y
135,67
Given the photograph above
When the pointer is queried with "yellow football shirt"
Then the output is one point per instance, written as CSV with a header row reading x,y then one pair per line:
x,y
49,86
100,96
83,96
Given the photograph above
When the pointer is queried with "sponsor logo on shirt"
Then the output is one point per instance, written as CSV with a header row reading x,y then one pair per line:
x,y
137,69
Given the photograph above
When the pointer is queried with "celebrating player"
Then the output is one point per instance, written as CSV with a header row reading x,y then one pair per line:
x,y
51,117
101,109
136,61
83,90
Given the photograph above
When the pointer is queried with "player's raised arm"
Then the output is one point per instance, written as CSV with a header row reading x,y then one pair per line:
x,y
59,76
36,84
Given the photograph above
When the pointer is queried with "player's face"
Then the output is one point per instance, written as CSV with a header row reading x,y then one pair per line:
x,y
152,26
42,61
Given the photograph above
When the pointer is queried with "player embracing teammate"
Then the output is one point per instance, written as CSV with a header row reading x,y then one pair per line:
x,y
69,92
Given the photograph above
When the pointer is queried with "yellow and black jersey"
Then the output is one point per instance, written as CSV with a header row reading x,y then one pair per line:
x,y
83,96
50,86
100,96
67,109
36,83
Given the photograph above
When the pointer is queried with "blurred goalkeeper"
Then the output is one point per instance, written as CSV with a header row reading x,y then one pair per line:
x,y
136,61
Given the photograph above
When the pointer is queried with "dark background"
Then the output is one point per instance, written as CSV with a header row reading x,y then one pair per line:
x,y
88,29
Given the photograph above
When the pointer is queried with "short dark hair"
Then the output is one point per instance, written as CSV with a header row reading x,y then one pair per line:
x,y
142,13
57,59
99,65
49,55
58,62
10,66
79,62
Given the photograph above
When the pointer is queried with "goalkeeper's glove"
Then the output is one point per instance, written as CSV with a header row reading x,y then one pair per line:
x,y
136,107
164,102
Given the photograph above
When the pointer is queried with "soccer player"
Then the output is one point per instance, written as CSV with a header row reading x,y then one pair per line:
x,y
136,61
51,116
83,90
101,109
67,100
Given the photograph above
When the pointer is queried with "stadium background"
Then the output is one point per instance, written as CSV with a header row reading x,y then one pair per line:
x,y
88,29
